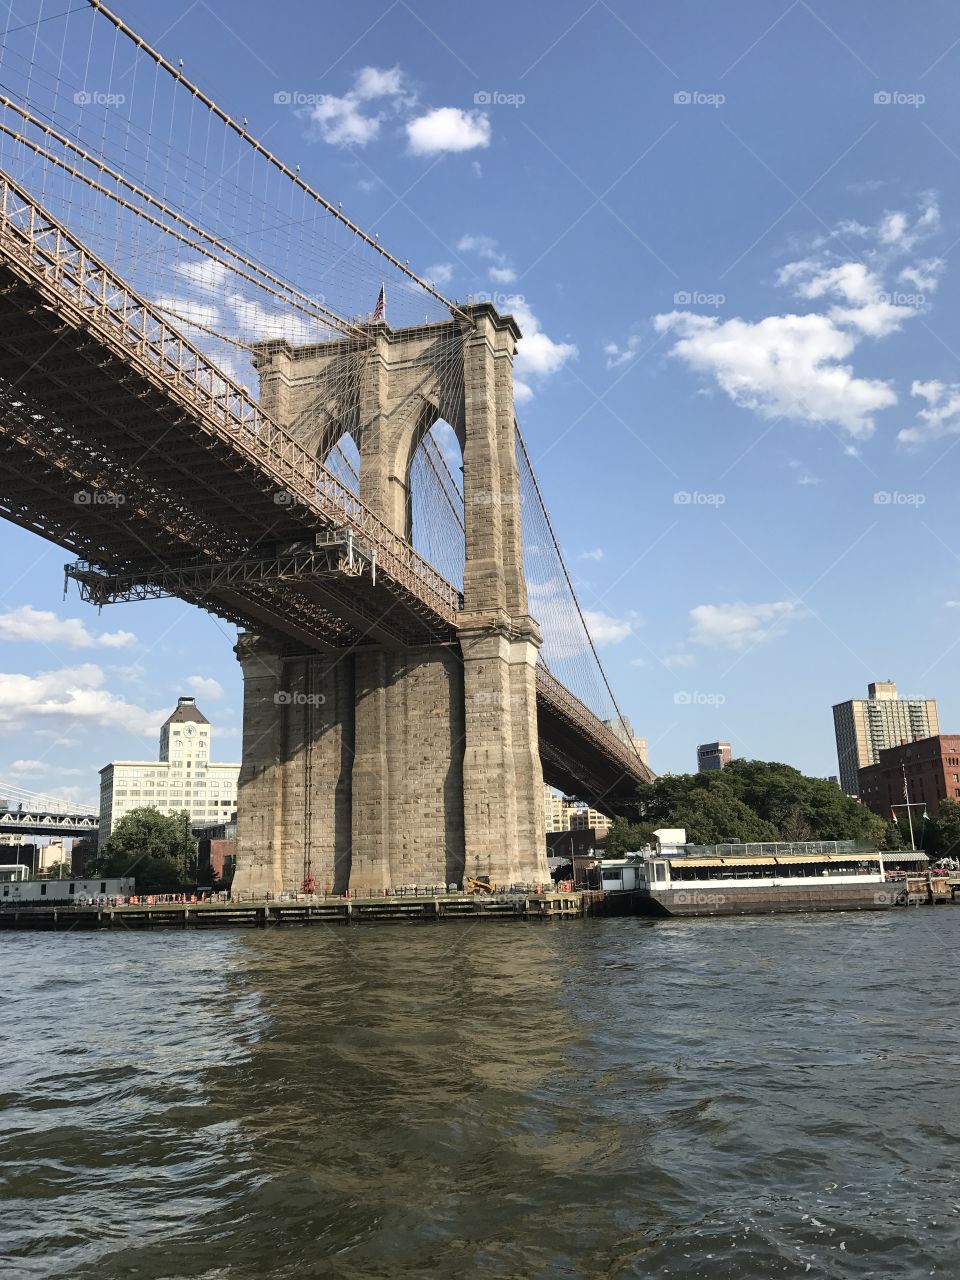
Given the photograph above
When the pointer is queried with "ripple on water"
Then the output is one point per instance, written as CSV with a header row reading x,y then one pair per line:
x,y
746,1098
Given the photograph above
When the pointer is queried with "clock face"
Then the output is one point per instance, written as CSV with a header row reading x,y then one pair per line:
x,y
190,731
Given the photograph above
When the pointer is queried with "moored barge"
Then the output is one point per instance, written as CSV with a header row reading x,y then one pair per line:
x,y
756,879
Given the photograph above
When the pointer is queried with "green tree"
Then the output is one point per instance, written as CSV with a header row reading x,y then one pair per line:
x,y
627,837
892,837
58,871
946,829
775,791
756,800
711,815
157,849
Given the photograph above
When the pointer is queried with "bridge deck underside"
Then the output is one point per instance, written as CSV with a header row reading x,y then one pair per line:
x,y
99,457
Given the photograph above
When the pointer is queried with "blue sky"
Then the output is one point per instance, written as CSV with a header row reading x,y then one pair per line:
x,y
730,234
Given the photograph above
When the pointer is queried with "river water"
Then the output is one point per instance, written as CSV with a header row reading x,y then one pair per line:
x,y
744,1098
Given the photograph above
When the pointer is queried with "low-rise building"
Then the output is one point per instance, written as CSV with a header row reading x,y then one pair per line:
x,y
183,779
921,773
564,814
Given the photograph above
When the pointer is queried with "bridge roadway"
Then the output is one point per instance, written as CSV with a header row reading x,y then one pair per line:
x,y
121,442
38,822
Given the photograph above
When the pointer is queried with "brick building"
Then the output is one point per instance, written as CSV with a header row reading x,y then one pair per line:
x,y
932,768
712,756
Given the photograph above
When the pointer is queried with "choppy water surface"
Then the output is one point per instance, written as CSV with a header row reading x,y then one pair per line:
x,y
747,1098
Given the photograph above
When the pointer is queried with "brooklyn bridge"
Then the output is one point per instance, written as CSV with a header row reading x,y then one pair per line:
x,y
215,386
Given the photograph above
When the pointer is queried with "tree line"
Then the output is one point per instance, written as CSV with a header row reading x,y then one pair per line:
x,y
759,800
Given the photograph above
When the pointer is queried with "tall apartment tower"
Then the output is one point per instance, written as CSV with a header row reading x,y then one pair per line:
x,y
866,726
712,756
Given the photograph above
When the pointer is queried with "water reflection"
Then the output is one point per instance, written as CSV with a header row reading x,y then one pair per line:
x,y
608,1098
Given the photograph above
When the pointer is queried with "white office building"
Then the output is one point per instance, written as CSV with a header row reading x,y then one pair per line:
x,y
184,779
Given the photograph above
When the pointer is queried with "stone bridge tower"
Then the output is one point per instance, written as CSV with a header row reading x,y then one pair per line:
x,y
400,766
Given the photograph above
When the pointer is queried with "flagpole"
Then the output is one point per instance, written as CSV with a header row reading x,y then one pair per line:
x,y
906,797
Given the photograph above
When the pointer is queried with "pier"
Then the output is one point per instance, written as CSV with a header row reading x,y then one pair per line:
x,y
62,916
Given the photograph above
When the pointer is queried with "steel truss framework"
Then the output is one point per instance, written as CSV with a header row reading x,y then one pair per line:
x,y
120,441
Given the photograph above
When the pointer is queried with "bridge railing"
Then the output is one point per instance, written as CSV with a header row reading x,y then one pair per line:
x,y
76,280
563,701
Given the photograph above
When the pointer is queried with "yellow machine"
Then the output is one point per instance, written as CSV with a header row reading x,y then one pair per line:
x,y
473,885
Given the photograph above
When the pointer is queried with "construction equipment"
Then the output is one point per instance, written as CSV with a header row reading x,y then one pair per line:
x,y
473,885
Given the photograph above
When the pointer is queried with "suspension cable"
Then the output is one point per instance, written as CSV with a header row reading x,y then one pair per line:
x,y
242,131
570,587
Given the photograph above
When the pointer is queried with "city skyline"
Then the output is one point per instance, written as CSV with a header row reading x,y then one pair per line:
x,y
667,225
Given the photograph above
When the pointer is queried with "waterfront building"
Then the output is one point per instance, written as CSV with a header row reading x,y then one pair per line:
x,y
624,731
712,756
928,771
183,779
564,814
866,726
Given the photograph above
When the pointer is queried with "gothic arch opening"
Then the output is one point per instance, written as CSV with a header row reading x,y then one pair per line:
x,y
435,488
343,461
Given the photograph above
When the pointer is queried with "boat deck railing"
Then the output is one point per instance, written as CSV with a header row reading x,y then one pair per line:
x,y
777,848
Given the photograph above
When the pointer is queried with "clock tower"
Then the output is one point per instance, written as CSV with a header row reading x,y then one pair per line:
x,y
185,736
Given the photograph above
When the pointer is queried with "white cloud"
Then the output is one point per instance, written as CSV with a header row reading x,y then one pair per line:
x,y
484,247
75,697
605,630
502,275
347,121
735,626
941,417
595,554
677,661
40,626
375,82
923,275
27,766
440,273
205,687
538,355
189,310
789,366
797,366
897,231
951,604
205,274
618,355
447,129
